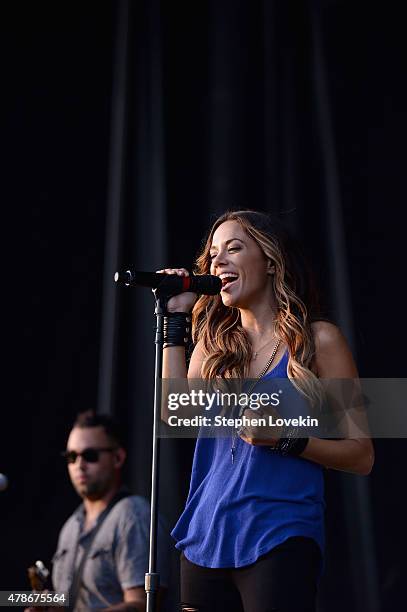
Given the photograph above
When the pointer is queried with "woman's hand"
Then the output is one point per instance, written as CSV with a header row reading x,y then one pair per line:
x,y
259,435
183,302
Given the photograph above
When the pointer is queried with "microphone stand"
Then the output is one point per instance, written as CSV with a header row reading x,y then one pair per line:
x,y
152,578
162,293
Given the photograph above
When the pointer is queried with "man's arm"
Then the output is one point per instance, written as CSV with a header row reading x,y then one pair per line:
x,y
132,554
134,601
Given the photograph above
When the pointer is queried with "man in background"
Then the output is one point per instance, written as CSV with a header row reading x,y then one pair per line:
x,y
102,552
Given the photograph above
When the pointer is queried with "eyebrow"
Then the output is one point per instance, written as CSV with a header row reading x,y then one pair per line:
x,y
227,242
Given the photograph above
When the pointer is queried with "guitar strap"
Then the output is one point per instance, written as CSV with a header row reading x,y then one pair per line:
x,y
77,577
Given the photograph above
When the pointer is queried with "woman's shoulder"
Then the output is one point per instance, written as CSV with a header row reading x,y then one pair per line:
x,y
325,333
333,357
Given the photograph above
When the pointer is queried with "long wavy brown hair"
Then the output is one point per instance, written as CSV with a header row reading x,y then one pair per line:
x,y
226,345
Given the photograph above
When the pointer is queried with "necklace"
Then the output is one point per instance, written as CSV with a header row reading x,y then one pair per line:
x,y
259,350
254,383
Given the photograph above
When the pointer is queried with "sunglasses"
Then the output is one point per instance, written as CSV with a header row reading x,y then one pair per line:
x,y
90,455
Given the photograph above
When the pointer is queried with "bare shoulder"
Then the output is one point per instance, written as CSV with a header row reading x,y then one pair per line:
x,y
196,361
326,334
333,357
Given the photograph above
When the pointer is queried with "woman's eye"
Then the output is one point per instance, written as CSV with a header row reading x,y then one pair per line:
x,y
230,250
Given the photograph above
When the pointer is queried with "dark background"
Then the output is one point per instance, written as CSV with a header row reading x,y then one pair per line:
x,y
126,127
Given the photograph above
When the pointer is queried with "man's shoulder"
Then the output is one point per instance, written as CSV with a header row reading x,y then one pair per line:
x,y
133,503
131,508
127,511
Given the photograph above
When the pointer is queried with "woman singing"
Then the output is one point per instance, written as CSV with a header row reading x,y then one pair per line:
x,y
252,531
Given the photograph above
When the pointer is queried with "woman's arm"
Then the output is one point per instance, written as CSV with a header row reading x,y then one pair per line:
x,y
174,368
174,362
333,360
177,380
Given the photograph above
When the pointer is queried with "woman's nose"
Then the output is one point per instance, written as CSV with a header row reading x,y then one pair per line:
x,y
218,259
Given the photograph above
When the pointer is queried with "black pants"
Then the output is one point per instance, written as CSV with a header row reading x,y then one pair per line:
x,y
283,580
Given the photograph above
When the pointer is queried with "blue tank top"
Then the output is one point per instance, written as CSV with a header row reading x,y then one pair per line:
x,y
236,512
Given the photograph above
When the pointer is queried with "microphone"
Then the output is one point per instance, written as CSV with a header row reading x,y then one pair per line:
x,y
3,482
171,284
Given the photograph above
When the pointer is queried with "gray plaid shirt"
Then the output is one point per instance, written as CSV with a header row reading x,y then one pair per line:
x,y
118,556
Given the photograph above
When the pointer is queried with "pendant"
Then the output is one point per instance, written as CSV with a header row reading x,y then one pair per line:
x,y
232,452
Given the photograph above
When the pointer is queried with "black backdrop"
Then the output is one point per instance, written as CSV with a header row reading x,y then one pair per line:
x,y
126,127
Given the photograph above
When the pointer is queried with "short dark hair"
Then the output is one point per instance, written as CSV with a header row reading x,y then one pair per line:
x,y
112,428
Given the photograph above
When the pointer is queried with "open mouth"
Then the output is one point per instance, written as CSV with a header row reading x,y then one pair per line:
x,y
228,278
